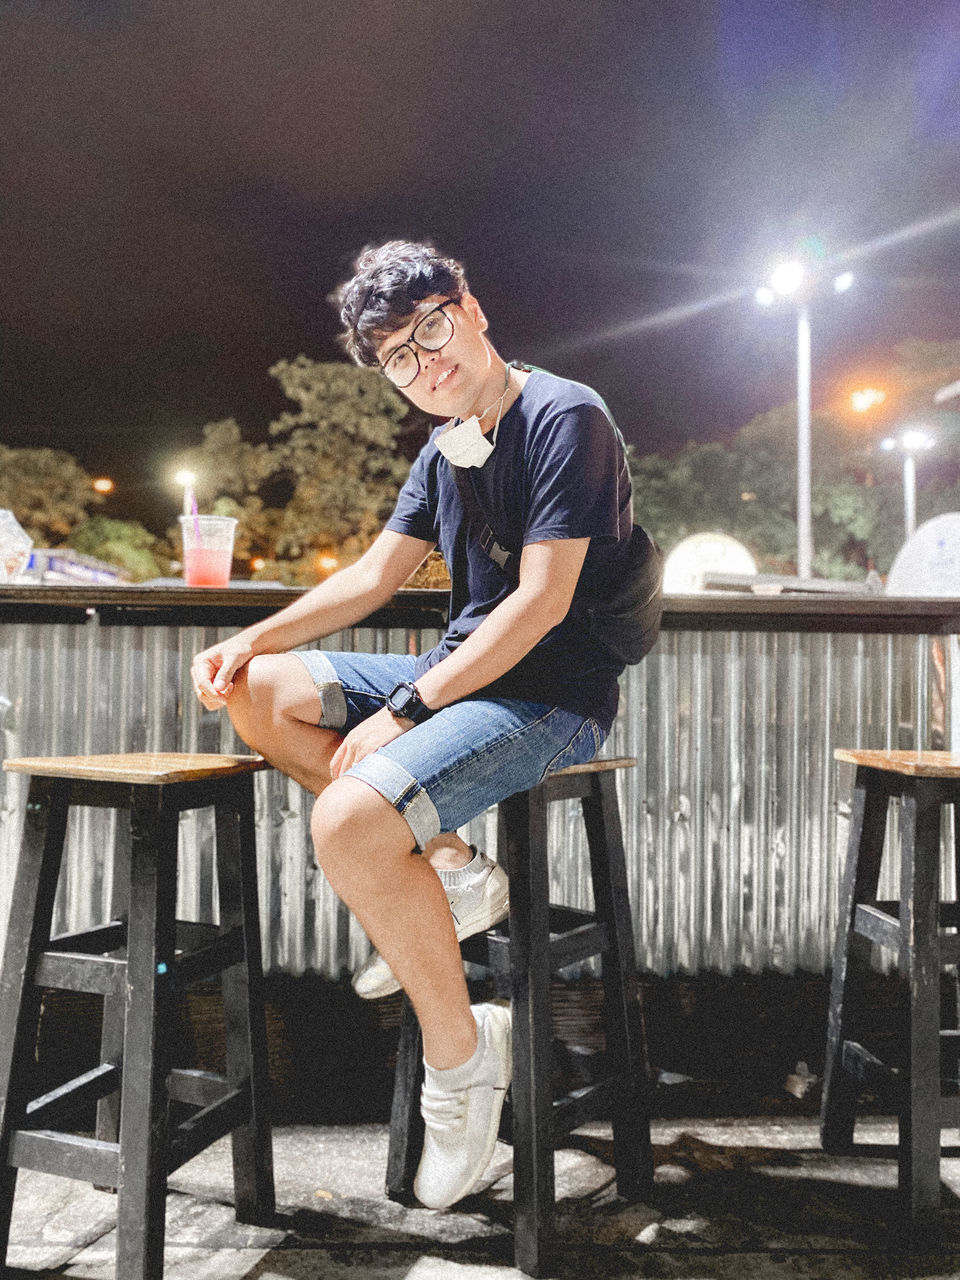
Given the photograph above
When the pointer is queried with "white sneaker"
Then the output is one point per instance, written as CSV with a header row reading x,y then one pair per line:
x,y
461,1110
476,905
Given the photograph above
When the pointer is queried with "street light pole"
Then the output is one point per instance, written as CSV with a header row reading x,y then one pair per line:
x,y
909,493
791,280
804,519
910,443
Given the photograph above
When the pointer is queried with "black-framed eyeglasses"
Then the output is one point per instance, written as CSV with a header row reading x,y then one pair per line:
x,y
430,334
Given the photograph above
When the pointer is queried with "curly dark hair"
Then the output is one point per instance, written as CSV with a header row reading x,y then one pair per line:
x,y
387,284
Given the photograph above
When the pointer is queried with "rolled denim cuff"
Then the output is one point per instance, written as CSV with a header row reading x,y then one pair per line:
x,y
402,790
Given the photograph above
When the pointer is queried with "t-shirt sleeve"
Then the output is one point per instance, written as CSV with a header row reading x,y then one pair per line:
x,y
414,513
573,481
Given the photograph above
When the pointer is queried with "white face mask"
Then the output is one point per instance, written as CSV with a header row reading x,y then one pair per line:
x,y
464,444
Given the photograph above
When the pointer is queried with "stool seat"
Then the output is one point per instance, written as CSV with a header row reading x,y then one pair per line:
x,y
921,930
912,764
153,1114
148,768
539,939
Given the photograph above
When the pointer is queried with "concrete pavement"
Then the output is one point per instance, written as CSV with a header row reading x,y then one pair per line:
x,y
742,1199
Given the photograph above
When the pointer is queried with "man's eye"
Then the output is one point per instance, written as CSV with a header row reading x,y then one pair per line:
x,y
429,327
400,359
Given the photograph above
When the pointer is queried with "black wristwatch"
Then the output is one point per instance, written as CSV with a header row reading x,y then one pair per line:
x,y
406,704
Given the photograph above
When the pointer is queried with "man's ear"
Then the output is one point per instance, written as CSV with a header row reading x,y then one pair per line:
x,y
473,309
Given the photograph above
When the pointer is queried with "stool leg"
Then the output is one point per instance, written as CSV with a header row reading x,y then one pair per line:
x,y
868,823
523,833
28,931
243,1007
111,1036
919,1147
141,1202
406,1122
622,1012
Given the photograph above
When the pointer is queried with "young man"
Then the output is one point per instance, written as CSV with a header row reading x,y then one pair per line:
x,y
400,751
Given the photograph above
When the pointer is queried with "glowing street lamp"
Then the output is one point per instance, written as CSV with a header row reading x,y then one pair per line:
x,y
910,443
866,398
188,479
103,484
792,280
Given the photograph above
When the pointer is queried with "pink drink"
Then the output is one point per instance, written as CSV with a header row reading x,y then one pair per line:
x,y
207,566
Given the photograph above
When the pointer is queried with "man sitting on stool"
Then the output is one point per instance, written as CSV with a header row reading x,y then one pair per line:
x,y
401,751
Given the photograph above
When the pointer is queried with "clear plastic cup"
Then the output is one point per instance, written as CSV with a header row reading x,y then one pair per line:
x,y
207,550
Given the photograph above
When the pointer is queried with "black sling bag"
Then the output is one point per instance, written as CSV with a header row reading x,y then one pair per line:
x,y
626,621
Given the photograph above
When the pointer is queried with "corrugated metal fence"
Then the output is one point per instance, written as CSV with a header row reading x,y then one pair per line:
x,y
735,818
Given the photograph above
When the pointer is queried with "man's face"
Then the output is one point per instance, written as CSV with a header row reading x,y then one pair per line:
x,y
451,381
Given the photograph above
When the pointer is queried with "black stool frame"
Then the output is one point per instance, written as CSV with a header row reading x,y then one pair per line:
x,y
910,926
542,938
138,966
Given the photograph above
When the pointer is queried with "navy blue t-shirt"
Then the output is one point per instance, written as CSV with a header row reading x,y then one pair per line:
x,y
558,471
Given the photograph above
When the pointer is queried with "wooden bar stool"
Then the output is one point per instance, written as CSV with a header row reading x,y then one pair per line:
x,y
914,926
542,938
140,962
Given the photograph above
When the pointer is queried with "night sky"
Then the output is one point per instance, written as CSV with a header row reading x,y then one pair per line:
x,y
184,181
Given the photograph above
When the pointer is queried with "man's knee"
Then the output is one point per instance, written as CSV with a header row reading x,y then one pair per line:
x,y
352,823
262,696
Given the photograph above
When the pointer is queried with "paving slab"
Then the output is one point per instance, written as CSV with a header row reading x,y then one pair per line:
x,y
733,1200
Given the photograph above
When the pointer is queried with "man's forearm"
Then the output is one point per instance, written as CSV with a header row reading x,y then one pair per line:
x,y
498,644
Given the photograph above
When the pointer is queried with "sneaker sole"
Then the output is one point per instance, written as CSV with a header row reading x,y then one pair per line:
x,y
500,1030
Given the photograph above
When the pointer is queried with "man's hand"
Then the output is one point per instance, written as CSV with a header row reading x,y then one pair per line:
x,y
213,669
369,736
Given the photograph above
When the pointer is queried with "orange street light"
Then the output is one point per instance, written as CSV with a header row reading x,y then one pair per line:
x,y
866,398
103,484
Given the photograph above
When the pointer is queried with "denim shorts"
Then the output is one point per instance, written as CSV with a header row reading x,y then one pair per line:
x,y
465,758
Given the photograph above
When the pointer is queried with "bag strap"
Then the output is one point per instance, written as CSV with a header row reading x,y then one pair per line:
x,y
506,560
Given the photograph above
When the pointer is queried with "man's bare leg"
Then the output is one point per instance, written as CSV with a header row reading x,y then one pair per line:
x,y
367,852
375,867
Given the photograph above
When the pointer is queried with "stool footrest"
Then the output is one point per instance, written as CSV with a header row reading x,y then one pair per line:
x,y
66,1154
881,924
75,971
878,925
196,1088
207,961
92,942
870,1072
212,1123
574,935
51,1108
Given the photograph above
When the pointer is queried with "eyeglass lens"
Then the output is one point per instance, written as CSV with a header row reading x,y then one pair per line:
x,y
433,332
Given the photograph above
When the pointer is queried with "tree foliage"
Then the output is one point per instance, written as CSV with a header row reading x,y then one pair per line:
x,y
317,493
747,486
47,490
122,542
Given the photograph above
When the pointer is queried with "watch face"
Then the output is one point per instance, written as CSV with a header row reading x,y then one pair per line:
x,y
403,701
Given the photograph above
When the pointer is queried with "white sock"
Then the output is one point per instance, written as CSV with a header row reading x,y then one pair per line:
x,y
459,877
467,1073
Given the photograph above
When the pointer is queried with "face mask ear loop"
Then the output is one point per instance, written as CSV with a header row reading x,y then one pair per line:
x,y
503,393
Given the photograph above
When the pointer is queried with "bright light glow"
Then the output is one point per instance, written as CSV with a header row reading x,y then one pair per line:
x,y
867,398
786,278
103,484
888,444
843,282
765,296
915,439
257,563
187,478
325,562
